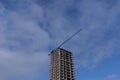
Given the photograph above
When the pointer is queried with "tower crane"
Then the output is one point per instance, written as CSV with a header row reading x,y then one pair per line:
x,y
69,38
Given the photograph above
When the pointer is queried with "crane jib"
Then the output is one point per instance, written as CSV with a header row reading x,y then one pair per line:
x,y
69,38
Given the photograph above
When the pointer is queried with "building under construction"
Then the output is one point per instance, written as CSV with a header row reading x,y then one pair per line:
x,y
61,65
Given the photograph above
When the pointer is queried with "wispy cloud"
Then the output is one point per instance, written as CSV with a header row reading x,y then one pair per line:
x,y
23,44
100,37
112,77
14,64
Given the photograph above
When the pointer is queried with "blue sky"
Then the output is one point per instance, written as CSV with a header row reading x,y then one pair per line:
x,y
30,29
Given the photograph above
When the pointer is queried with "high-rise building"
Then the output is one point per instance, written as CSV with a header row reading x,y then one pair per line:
x,y
61,65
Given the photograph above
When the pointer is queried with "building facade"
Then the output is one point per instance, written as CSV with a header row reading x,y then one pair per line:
x,y
61,67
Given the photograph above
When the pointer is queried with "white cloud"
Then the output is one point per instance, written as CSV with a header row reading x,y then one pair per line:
x,y
23,44
112,77
13,64
18,29
98,38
